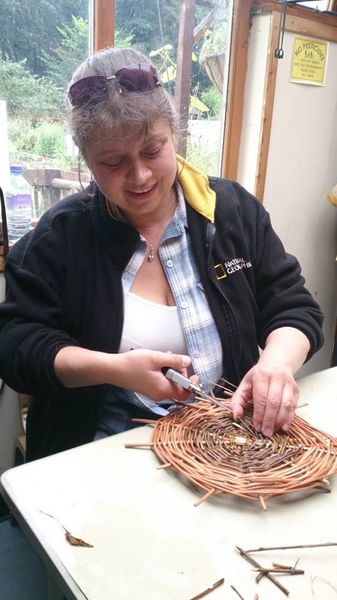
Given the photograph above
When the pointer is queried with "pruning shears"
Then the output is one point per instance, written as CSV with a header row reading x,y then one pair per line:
x,y
187,384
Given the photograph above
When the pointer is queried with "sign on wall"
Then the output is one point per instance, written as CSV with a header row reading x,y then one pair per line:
x,y
309,61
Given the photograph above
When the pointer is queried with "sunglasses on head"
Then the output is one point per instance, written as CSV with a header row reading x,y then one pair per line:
x,y
133,78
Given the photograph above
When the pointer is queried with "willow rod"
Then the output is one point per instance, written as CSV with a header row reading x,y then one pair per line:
x,y
264,549
253,562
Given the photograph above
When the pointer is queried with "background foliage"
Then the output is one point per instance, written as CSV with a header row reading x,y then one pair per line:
x,y
31,27
42,42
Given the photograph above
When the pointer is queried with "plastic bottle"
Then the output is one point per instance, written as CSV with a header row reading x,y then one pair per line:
x,y
18,205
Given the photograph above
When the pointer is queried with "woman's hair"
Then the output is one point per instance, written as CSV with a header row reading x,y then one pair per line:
x,y
131,113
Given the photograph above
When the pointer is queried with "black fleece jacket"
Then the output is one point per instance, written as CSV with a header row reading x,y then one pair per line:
x,y
64,288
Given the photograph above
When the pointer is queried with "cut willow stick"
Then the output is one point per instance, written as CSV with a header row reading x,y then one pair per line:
x,y
262,502
288,571
74,541
226,389
237,592
253,562
266,548
295,565
279,569
232,385
287,567
207,495
136,446
209,590
259,576
144,421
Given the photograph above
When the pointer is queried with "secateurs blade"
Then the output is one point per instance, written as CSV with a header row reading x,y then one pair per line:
x,y
187,384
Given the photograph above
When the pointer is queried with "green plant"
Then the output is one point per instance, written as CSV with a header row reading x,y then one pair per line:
x,y
215,39
50,140
28,96
202,156
213,99
167,70
60,62
166,66
22,135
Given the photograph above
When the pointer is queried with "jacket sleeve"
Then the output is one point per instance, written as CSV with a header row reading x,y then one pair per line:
x,y
31,331
281,295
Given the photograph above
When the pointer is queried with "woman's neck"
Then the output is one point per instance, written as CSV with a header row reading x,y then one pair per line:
x,y
154,224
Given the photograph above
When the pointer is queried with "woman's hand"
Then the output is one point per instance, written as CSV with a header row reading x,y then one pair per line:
x,y
141,371
138,370
270,384
274,393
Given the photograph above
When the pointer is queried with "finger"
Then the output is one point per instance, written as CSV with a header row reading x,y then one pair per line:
x,y
169,390
179,362
180,383
241,396
280,405
286,411
260,398
272,405
179,394
195,379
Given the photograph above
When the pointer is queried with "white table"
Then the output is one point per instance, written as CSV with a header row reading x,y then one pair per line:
x,y
151,543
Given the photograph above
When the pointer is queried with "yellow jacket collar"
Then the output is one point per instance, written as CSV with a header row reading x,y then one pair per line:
x,y
196,188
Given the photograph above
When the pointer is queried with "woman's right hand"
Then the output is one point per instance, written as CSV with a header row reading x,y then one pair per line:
x,y
137,370
141,371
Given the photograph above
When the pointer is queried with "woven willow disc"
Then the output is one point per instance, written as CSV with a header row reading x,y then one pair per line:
x,y
220,456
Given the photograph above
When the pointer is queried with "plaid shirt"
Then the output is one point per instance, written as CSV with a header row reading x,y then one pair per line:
x,y
199,330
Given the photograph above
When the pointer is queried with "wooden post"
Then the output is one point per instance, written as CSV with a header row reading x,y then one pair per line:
x,y
184,69
103,23
236,87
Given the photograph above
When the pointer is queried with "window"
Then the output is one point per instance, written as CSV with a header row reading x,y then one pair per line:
x,y
188,41
41,42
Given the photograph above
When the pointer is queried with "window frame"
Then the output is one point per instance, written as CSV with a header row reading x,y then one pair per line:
x,y
102,24
102,35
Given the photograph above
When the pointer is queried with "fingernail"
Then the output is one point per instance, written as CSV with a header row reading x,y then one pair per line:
x,y
285,428
268,432
186,361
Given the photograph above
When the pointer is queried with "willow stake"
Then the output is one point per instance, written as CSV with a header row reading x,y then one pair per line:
x,y
253,562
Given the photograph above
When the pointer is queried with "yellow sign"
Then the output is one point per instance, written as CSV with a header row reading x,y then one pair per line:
x,y
309,61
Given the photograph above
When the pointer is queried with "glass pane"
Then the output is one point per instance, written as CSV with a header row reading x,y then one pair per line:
x,y
192,39
315,4
41,42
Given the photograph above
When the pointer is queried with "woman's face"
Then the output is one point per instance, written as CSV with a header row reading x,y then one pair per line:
x,y
136,174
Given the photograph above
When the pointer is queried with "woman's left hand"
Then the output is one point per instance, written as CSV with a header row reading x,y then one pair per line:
x,y
270,384
274,393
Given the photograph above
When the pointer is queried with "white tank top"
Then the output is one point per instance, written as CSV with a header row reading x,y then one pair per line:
x,y
150,325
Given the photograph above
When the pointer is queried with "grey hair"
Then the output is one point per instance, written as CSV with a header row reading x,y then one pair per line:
x,y
132,113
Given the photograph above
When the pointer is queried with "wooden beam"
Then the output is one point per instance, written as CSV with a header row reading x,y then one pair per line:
x,y
203,26
103,23
315,28
302,12
236,87
184,69
268,107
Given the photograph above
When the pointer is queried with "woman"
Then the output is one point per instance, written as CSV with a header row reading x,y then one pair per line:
x,y
154,266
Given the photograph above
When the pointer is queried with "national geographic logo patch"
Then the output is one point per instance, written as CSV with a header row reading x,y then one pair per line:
x,y
222,270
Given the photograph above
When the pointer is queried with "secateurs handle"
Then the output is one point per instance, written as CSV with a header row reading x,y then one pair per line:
x,y
180,379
